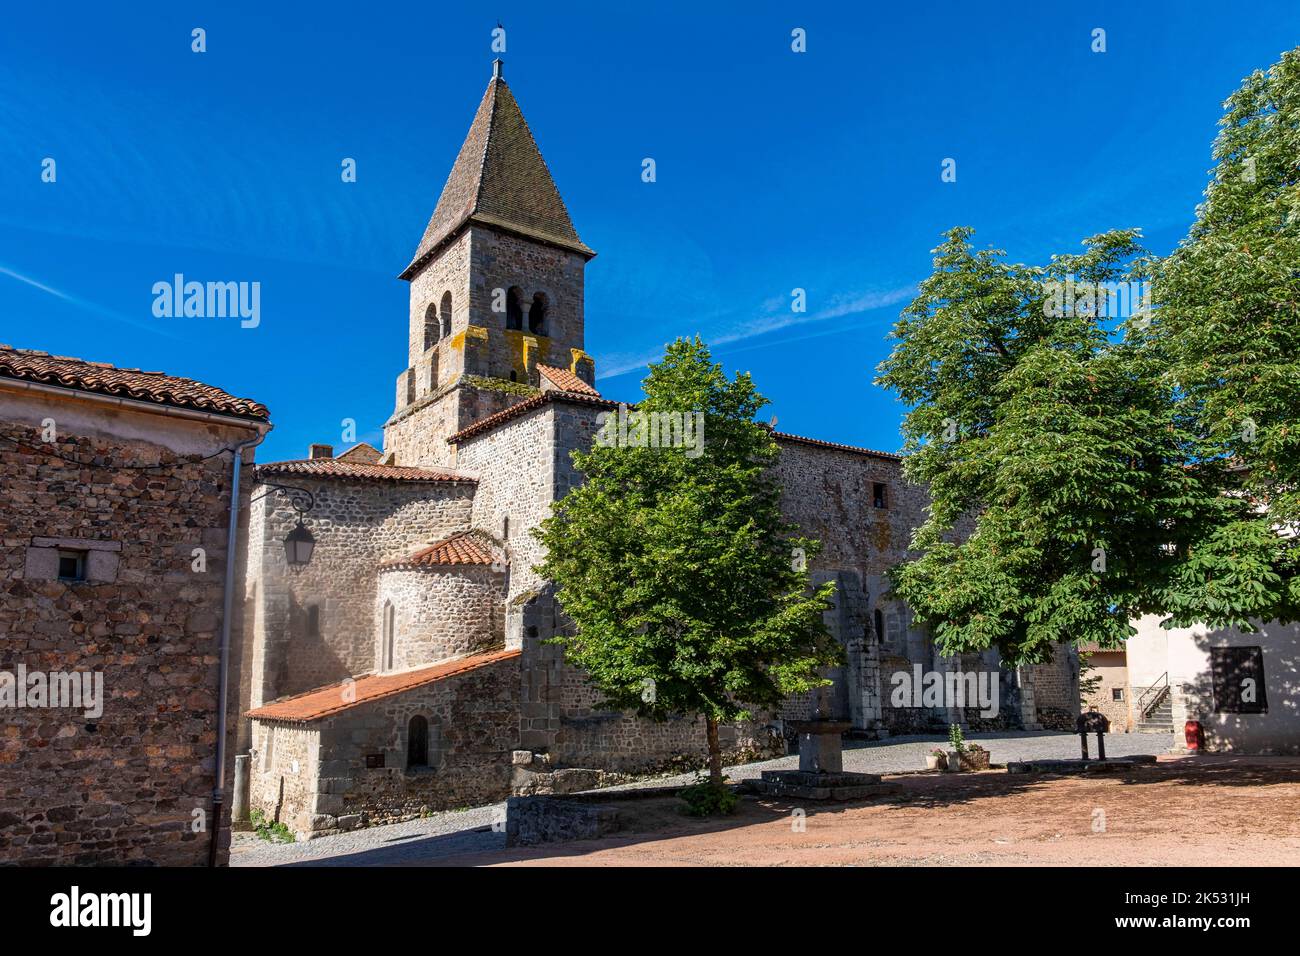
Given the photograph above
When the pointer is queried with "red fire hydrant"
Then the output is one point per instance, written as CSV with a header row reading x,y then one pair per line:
x,y
1195,736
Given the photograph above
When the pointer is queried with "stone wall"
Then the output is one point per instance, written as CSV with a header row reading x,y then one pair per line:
x,y
473,721
131,784
1056,688
357,524
499,261
416,434
441,612
516,470
284,771
1111,670
448,272
561,716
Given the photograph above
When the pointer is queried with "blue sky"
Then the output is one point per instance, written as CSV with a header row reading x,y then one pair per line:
x,y
775,171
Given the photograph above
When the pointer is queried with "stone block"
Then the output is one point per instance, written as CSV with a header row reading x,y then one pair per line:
x,y
101,566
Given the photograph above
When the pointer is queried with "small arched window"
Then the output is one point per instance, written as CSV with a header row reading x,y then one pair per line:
x,y
444,316
879,620
514,308
386,658
417,742
537,314
431,333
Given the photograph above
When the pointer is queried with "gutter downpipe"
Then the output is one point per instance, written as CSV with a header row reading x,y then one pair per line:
x,y
227,605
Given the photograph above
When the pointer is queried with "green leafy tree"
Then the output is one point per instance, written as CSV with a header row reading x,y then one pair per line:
x,y
1053,450
1228,317
688,591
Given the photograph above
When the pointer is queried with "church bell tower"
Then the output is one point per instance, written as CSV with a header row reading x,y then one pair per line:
x,y
496,288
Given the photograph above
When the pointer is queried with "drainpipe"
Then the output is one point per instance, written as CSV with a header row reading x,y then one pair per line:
x,y
227,603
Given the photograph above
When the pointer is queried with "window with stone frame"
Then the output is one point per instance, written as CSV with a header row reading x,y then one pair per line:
x,y
313,620
1238,677
72,565
444,316
879,495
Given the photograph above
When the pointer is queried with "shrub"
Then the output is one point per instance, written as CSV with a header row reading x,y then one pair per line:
x,y
274,831
706,799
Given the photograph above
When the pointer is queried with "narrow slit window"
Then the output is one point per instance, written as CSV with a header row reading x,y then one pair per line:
x,y
417,742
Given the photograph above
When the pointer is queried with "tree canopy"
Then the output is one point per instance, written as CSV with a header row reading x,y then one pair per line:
x,y
684,583
1110,434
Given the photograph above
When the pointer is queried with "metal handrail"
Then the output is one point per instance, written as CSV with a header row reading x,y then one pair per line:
x,y
1145,710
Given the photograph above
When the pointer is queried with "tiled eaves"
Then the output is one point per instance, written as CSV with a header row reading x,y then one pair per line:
x,y
537,401
526,406
836,446
357,471
101,378
331,699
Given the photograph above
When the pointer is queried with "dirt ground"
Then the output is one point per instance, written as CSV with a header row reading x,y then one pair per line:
x,y
1192,811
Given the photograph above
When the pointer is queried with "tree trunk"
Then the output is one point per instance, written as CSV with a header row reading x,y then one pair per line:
x,y
715,751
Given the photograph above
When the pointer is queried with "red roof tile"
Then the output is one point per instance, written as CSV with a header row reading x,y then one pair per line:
x,y
104,379
565,380
528,405
336,698
338,468
463,548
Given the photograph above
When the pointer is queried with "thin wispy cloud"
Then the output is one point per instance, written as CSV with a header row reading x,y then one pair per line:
x,y
86,305
776,320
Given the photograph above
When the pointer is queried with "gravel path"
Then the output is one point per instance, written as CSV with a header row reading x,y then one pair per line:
x,y
470,831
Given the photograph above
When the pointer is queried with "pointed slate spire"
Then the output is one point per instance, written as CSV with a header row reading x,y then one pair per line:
x,y
499,179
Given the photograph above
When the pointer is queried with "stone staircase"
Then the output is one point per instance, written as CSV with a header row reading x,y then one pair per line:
x,y
1159,720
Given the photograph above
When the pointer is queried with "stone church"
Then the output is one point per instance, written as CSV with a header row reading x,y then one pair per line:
x,y
404,668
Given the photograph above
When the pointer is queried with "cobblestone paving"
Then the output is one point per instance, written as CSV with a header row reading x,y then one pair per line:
x,y
470,831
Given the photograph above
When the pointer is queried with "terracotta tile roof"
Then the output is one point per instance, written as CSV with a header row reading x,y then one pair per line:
x,y
338,468
330,700
565,380
818,443
465,547
104,379
1092,647
499,179
528,405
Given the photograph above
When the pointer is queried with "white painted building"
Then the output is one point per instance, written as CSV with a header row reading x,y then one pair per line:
x,y
1243,688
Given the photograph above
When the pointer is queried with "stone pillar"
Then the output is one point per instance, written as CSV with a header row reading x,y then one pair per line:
x,y
1028,710
239,807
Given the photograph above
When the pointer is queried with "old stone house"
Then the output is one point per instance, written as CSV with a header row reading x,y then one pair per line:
x,y
406,666
114,536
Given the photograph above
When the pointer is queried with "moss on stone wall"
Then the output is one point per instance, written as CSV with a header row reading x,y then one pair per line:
x,y
501,385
